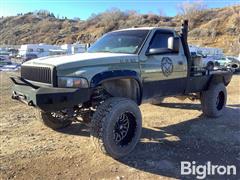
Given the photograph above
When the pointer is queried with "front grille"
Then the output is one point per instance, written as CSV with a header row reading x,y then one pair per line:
x,y
38,74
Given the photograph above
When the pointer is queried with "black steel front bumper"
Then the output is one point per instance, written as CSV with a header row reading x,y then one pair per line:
x,y
48,98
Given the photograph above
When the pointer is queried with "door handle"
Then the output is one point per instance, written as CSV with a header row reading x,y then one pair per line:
x,y
180,62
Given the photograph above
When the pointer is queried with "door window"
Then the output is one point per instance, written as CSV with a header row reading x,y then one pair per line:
x,y
160,40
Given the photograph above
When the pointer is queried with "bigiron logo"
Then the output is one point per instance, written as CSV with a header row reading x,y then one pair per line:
x,y
166,66
208,169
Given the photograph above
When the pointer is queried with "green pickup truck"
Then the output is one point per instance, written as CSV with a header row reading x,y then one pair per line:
x,y
120,71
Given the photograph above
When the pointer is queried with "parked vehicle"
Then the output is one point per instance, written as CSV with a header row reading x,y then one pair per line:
x,y
4,58
209,62
234,62
11,67
228,62
13,52
28,57
105,86
209,55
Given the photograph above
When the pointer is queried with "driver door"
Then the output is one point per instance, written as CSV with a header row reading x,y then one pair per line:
x,y
163,74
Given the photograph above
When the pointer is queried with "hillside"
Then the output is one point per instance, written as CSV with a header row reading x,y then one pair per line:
x,y
211,27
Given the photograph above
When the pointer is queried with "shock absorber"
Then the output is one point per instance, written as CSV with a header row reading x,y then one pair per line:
x,y
99,95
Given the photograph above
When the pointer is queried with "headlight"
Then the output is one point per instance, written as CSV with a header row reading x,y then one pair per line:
x,y
72,82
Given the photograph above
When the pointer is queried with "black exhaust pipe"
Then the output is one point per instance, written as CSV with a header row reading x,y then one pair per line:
x,y
184,37
184,29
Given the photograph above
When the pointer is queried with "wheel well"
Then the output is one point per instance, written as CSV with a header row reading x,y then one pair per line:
x,y
125,87
210,63
224,78
234,65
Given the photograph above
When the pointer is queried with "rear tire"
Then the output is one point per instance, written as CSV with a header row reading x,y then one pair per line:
x,y
213,101
116,126
54,122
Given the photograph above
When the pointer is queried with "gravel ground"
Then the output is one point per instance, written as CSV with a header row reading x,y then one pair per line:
x,y
173,132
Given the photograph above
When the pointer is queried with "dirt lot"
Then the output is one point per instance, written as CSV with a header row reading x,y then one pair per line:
x,y
173,132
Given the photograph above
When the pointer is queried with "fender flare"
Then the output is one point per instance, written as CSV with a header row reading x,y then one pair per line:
x,y
224,77
117,74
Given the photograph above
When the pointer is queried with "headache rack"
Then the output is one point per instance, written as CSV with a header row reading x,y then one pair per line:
x,y
38,74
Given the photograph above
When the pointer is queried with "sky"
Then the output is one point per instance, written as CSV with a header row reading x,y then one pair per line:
x,y
85,8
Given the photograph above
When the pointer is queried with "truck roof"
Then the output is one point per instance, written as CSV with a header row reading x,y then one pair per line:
x,y
144,28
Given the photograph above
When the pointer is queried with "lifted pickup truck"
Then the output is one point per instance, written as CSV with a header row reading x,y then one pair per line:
x,y
105,86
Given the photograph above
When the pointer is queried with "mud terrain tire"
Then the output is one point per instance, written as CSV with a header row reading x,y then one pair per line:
x,y
213,101
53,122
116,127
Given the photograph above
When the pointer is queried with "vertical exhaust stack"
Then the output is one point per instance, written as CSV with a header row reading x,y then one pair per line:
x,y
184,30
183,36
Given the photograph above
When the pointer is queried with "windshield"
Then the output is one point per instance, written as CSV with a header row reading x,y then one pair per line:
x,y
120,42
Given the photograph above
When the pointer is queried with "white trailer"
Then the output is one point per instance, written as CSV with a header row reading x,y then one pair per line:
x,y
73,48
40,50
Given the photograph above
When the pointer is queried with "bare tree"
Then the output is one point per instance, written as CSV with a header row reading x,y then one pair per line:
x,y
161,13
187,8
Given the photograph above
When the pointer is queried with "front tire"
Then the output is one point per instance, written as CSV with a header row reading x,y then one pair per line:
x,y
55,120
116,126
213,101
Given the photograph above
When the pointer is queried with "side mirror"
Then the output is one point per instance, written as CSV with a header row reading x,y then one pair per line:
x,y
156,51
173,47
173,44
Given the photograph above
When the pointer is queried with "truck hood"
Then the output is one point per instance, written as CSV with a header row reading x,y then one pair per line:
x,y
83,59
